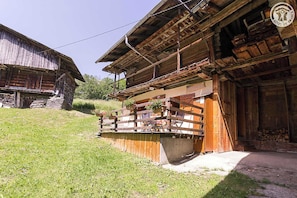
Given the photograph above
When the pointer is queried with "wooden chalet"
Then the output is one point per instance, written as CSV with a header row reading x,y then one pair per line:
x,y
32,74
225,73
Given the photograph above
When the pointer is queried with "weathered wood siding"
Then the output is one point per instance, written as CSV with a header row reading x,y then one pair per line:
x,y
22,79
142,145
221,132
3,74
15,51
189,56
140,78
266,115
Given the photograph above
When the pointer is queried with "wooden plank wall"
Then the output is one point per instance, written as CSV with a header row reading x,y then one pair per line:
x,y
142,145
18,51
2,77
139,78
292,107
251,112
228,118
193,54
27,79
224,129
270,107
208,124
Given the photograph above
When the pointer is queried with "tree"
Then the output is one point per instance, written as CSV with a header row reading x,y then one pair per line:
x,y
94,88
89,89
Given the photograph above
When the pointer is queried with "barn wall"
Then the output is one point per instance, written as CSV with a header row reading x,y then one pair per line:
x,y
267,115
199,89
27,79
66,88
192,55
29,85
15,51
140,78
159,148
142,145
223,127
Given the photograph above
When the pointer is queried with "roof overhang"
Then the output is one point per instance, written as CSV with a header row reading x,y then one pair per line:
x,y
44,49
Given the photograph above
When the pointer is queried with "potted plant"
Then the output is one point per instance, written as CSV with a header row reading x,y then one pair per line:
x,y
100,113
155,105
110,115
130,104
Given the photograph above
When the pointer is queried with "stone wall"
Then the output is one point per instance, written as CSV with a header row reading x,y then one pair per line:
x,y
7,100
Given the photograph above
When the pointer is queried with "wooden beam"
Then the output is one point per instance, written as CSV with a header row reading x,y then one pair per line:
x,y
216,129
206,36
155,38
178,49
242,11
227,11
165,59
266,72
257,60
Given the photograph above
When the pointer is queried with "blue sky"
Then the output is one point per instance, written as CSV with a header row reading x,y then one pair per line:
x,y
55,23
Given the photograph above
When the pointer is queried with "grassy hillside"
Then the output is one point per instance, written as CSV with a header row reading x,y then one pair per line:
x,y
90,106
55,153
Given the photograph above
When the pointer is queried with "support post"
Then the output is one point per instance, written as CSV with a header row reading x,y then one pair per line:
x,y
114,83
116,122
168,109
178,49
135,118
17,97
101,123
216,114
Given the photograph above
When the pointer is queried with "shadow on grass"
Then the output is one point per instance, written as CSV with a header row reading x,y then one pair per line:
x,y
84,107
235,185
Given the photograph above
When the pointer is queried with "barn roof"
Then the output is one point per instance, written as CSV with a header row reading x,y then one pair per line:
x,y
68,62
245,46
156,20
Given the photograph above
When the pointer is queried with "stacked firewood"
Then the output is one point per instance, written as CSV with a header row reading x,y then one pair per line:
x,y
280,135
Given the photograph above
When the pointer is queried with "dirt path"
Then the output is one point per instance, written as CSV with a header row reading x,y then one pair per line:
x,y
275,172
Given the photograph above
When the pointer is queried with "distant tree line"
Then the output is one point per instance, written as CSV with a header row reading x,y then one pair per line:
x,y
95,88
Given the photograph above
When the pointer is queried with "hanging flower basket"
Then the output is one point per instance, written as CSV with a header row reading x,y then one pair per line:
x,y
155,106
130,104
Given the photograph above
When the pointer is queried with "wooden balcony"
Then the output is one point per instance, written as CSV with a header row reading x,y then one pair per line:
x,y
175,117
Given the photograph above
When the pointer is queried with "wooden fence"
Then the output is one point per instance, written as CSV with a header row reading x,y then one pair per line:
x,y
173,118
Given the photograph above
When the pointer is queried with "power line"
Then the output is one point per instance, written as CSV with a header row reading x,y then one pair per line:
x,y
117,28
100,34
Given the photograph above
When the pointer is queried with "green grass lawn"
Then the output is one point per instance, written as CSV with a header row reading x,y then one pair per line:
x,y
55,153
90,106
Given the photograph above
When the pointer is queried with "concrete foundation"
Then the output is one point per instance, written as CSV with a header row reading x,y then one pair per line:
x,y
174,149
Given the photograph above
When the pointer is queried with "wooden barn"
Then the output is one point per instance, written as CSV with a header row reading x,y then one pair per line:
x,y
31,74
224,71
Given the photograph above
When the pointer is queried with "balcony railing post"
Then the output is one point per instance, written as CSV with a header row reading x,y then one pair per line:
x,y
168,109
135,118
202,120
101,123
116,121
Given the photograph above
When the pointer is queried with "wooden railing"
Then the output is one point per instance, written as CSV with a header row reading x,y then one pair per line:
x,y
176,117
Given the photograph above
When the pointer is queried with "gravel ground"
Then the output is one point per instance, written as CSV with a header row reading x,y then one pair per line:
x,y
275,172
